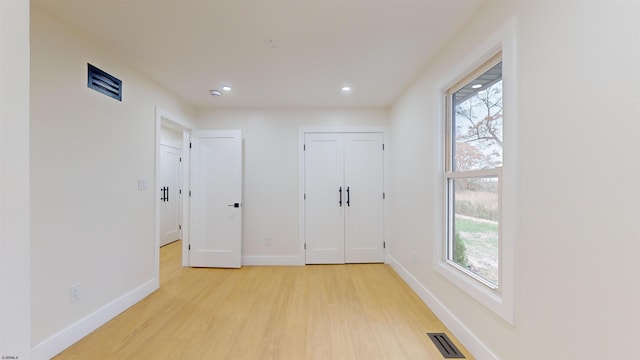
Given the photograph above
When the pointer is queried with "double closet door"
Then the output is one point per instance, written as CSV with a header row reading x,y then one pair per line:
x,y
344,198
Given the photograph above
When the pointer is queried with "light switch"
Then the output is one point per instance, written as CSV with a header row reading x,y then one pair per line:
x,y
142,184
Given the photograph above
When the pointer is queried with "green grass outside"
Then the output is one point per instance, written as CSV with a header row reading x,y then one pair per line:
x,y
473,226
481,242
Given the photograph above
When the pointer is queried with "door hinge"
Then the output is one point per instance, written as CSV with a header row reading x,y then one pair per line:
x,y
305,196
180,159
179,227
189,193
382,146
180,191
190,146
304,147
189,246
384,245
384,196
305,246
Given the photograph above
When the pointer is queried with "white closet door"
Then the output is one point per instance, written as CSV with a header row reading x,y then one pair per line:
x,y
216,198
324,189
364,212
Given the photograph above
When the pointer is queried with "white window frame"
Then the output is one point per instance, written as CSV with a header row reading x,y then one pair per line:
x,y
498,299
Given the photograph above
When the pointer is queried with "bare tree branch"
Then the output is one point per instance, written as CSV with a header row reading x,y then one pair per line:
x,y
478,126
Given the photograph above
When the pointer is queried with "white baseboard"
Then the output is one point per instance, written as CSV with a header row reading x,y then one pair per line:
x,y
260,260
457,328
67,337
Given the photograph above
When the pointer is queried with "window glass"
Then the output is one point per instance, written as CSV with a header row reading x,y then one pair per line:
x,y
477,122
475,226
473,180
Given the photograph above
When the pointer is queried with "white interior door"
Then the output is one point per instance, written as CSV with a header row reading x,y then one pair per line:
x,y
325,199
216,199
364,211
170,195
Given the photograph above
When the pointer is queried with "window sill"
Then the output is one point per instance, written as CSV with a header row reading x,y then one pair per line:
x,y
488,284
482,291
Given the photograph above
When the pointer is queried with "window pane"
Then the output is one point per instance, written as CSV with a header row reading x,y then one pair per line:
x,y
477,122
474,244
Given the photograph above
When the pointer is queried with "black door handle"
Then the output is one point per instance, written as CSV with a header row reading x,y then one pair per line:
x,y
340,192
348,197
165,194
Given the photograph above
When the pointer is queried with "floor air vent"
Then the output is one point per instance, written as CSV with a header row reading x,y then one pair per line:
x,y
446,347
102,82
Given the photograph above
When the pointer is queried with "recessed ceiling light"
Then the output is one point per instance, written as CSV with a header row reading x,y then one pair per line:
x,y
476,86
226,88
215,92
272,43
346,89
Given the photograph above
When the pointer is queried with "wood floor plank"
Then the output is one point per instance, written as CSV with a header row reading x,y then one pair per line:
x,y
273,312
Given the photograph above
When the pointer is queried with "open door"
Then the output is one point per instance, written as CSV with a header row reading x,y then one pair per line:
x,y
216,199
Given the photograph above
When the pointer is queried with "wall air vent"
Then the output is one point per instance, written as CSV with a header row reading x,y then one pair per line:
x,y
100,81
446,347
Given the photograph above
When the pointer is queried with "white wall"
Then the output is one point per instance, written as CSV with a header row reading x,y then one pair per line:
x,y
577,239
90,223
171,137
270,136
14,180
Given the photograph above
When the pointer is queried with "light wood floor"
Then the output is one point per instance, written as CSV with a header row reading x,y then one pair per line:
x,y
294,312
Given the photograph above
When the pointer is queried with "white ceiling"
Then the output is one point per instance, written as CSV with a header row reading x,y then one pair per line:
x,y
191,46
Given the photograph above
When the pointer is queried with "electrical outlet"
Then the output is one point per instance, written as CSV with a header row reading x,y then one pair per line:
x,y
267,241
74,293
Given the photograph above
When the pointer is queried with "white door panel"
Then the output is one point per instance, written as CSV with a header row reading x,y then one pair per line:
x,y
216,198
323,188
364,214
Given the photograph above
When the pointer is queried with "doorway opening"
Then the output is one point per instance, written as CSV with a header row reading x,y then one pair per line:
x,y
170,183
171,178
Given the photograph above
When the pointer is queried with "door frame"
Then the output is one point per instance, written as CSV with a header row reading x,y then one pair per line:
x,y
170,120
301,178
